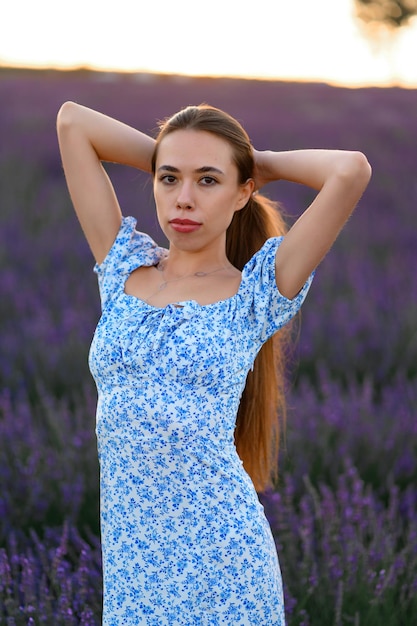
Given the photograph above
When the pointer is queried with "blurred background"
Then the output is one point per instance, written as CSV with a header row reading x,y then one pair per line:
x,y
347,42
323,74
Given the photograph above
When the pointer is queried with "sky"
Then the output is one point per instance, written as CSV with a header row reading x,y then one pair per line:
x,y
313,40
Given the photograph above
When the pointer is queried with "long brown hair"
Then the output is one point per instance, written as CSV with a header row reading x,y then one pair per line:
x,y
262,405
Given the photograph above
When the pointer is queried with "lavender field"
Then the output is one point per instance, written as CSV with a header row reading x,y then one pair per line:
x,y
344,513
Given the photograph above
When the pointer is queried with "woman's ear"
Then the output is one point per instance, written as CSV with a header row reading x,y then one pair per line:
x,y
246,190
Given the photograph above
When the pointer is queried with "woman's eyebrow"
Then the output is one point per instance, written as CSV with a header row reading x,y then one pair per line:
x,y
208,168
200,170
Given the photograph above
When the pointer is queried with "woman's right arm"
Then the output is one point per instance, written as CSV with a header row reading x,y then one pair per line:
x,y
86,138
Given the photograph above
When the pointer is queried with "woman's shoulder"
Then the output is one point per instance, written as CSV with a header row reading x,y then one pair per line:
x,y
264,256
131,247
265,309
131,240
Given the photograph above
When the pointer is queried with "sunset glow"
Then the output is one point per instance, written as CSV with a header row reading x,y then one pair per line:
x,y
318,41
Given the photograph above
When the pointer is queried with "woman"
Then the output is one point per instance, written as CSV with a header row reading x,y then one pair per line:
x,y
181,425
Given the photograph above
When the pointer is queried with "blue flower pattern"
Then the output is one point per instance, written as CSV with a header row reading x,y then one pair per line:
x,y
184,537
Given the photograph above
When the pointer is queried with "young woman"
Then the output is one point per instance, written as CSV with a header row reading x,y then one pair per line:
x,y
186,355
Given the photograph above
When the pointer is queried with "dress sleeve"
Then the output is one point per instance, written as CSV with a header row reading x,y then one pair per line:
x,y
131,249
267,309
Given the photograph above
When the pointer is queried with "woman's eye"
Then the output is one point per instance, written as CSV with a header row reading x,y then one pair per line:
x,y
168,179
208,181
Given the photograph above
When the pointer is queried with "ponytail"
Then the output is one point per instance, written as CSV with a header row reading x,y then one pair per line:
x,y
262,405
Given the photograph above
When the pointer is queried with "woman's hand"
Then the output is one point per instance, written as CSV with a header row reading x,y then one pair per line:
x,y
263,174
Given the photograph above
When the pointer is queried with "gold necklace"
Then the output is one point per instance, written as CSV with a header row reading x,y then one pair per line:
x,y
160,266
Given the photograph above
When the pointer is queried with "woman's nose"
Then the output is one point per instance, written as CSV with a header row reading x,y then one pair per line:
x,y
185,197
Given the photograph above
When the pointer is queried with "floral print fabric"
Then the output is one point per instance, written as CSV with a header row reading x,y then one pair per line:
x,y
184,537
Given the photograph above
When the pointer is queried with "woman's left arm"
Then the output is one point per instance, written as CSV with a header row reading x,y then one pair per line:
x,y
341,178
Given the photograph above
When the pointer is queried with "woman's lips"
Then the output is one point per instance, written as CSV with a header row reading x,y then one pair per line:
x,y
184,226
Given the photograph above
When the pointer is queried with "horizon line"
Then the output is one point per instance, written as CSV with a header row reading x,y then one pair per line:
x,y
182,76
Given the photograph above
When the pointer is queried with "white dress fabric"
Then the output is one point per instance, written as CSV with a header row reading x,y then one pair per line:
x,y
184,537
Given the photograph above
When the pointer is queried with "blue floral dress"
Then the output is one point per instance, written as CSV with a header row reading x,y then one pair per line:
x,y
184,537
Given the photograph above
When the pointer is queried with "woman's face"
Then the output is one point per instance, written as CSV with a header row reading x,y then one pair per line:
x,y
196,189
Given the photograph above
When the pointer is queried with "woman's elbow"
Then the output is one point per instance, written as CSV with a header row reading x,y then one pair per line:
x,y
66,115
357,168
